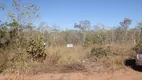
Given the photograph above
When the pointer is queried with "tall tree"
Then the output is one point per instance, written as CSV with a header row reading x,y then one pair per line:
x,y
83,26
125,25
98,27
24,14
100,32
139,25
21,16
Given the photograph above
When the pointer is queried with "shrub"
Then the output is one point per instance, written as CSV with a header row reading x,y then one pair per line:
x,y
36,49
3,61
99,53
4,37
138,46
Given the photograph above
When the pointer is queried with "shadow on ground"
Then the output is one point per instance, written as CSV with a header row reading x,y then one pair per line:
x,y
131,63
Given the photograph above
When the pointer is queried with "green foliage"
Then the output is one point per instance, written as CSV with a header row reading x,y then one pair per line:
x,y
73,37
4,37
91,39
36,49
14,24
98,53
95,38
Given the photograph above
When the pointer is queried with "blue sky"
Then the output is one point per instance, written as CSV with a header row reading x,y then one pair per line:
x,y
65,13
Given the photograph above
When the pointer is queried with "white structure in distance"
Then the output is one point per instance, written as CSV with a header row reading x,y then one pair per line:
x,y
69,45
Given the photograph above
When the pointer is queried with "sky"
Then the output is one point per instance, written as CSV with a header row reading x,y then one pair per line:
x,y
64,13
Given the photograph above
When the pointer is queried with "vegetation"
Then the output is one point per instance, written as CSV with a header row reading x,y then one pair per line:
x,y
22,44
36,49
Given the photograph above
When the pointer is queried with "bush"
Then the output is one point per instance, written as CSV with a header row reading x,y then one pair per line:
x,y
36,49
138,46
99,53
3,61
4,37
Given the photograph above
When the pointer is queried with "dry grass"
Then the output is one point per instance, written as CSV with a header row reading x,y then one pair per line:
x,y
63,59
68,55
115,58
18,76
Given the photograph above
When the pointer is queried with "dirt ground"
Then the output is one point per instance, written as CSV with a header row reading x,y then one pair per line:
x,y
130,72
123,74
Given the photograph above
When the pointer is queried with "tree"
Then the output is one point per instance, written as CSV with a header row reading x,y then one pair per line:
x,y
139,25
98,27
125,25
24,14
1,8
139,38
99,30
83,26
20,17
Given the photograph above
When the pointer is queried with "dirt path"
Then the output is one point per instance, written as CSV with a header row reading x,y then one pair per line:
x,y
127,74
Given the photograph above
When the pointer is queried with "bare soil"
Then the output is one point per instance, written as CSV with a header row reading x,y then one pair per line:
x,y
129,72
123,74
